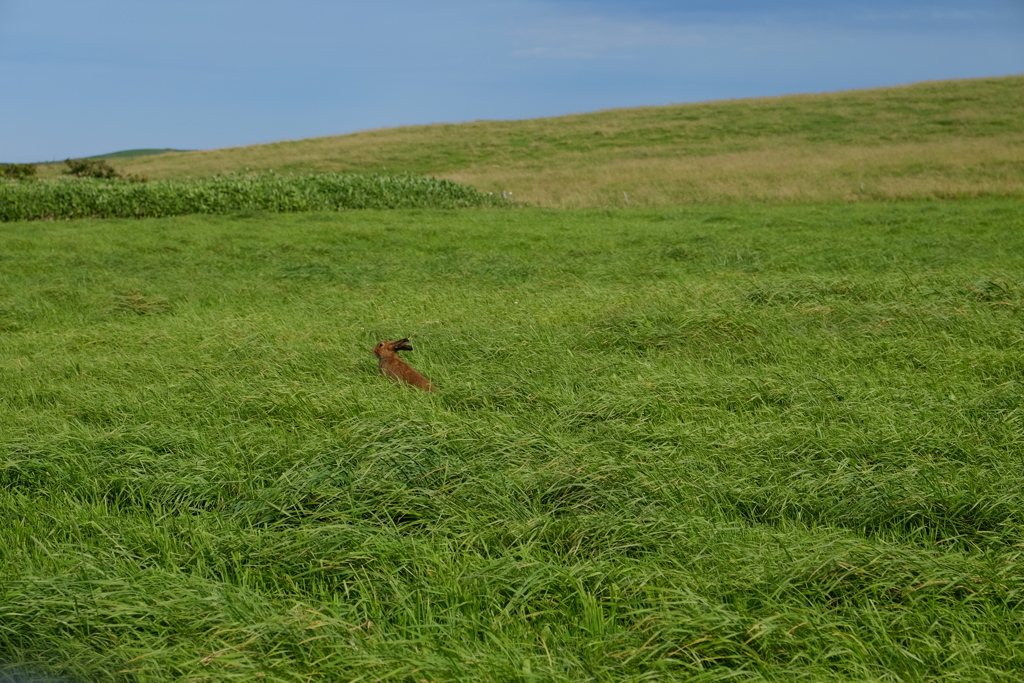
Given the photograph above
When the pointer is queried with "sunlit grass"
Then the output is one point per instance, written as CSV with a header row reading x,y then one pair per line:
x,y
952,139
960,169
720,442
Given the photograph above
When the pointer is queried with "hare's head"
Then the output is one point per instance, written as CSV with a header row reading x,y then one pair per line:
x,y
389,347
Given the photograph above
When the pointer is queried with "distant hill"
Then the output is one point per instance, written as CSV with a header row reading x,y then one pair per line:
x,y
943,139
126,154
132,153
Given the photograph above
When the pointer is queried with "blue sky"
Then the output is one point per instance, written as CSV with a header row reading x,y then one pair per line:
x,y
82,77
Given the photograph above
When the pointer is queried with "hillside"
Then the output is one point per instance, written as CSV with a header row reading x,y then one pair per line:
x,y
728,442
948,139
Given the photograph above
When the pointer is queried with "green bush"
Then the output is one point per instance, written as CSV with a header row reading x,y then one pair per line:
x,y
19,171
119,198
90,168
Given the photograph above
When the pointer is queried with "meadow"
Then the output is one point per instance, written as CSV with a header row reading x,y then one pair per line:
x,y
942,140
734,441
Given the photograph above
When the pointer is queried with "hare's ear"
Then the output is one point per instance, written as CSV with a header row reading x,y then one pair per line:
x,y
403,345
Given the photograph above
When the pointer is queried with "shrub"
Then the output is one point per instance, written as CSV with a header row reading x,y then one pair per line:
x,y
19,171
90,168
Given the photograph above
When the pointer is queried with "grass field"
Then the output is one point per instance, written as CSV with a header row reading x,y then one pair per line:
x,y
942,140
707,443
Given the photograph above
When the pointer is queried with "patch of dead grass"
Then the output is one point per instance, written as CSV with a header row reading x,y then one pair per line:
x,y
931,170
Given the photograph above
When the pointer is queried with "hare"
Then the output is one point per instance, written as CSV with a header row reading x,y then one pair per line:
x,y
392,366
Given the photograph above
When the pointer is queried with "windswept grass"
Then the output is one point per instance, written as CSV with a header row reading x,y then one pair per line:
x,y
925,141
773,443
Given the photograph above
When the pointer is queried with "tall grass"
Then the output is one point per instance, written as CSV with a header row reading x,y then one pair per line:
x,y
87,198
771,443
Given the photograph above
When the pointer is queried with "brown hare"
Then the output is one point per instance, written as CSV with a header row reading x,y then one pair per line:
x,y
392,366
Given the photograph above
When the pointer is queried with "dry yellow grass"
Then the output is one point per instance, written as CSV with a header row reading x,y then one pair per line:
x,y
928,140
931,170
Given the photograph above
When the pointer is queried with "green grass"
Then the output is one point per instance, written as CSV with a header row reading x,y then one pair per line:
x,y
756,443
269,192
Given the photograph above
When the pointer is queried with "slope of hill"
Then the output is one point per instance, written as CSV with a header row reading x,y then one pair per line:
x,y
948,139
133,153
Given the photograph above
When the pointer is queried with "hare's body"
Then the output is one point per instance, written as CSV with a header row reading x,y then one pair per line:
x,y
393,367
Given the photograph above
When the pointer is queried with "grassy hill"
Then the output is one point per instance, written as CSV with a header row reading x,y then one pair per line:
x,y
735,441
950,139
49,169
